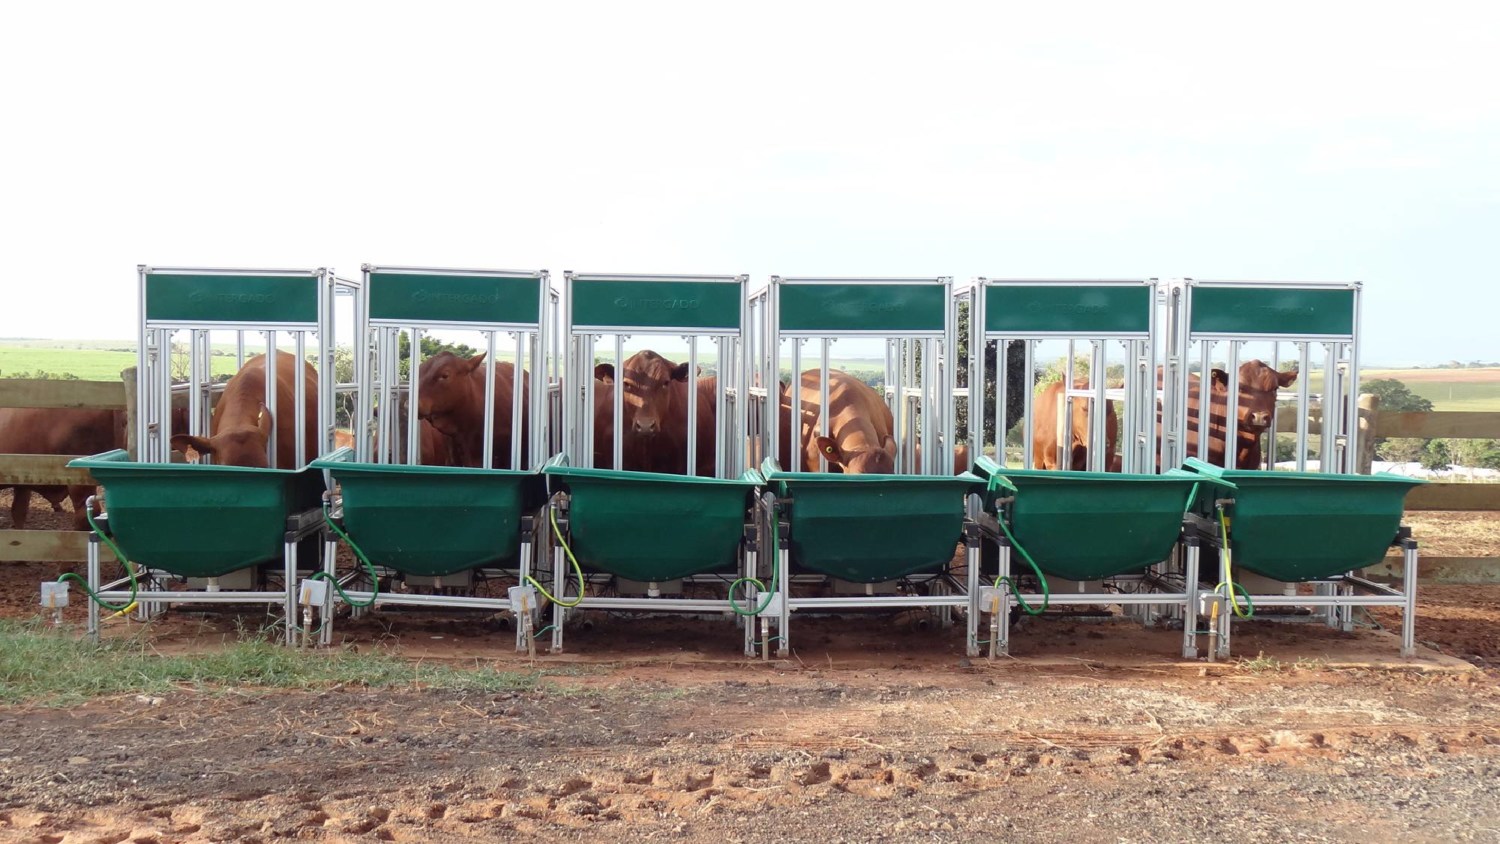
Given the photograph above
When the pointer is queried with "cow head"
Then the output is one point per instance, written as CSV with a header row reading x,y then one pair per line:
x,y
1257,393
870,461
445,389
648,381
239,447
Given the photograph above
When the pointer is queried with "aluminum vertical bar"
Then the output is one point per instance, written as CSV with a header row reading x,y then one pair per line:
x,y
299,400
1231,408
798,451
823,399
692,405
272,444
517,392
487,445
619,426
1099,455
1304,399
1205,397
1028,385
414,400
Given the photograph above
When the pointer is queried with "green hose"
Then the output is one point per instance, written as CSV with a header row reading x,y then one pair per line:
x,y
119,555
578,570
1228,580
369,567
995,482
1046,590
775,570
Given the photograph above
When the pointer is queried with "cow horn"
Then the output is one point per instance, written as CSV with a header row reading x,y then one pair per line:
x,y
265,422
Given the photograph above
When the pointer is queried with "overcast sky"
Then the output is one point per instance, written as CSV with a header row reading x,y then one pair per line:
x,y
1272,141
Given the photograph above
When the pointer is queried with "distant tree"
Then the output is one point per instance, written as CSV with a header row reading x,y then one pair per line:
x,y
1015,360
1435,455
1401,449
1473,453
1396,397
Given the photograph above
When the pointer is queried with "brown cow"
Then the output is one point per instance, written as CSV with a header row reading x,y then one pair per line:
x,y
1045,409
241,426
860,426
655,403
436,447
64,431
1258,386
450,395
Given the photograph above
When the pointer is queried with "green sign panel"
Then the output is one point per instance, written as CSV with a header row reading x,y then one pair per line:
x,y
426,298
865,306
644,303
1281,311
214,298
1097,310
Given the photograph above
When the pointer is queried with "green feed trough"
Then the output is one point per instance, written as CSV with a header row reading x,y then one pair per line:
x,y
200,521
1092,525
872,528
433,520
1297,526
651,527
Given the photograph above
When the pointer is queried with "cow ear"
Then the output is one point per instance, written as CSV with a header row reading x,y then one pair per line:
x,y
680,372
604,372
830,450
474,362
1285,379
1220,379
888,445
182,442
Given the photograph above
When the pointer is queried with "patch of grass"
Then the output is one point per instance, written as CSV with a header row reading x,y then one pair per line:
x,y
1261,664
41,665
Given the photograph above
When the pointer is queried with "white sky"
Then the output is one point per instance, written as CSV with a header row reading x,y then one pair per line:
x,y
1278,140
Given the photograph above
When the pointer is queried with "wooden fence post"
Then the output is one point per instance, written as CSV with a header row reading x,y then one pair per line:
x,y
1369,413
128,376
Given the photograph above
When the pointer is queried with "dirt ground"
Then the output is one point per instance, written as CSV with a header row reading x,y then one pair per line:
x,y
656,729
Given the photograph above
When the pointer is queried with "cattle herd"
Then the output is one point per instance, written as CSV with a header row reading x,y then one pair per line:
x,y
860,429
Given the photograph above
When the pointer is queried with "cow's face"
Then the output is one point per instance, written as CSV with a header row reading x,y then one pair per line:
x,y
648,384
240,447
870,461
1258,386
444,389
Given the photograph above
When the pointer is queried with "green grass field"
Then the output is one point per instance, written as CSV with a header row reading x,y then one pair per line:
x,y
102,360
88,364
1447,389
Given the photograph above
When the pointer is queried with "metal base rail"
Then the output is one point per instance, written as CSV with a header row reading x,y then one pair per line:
x,y
1337,595
998,601
526,614
152,601
561,573
778,611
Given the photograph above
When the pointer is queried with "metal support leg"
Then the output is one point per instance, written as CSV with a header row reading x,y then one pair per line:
x,y
559,612
1409,590
1001,638
330,570
289,599
784,560
748,623
971,563
94,583
1226,617
1190,608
